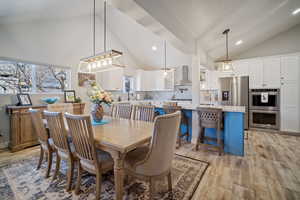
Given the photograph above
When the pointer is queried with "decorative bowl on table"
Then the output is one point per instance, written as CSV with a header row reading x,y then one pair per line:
x,y
50,100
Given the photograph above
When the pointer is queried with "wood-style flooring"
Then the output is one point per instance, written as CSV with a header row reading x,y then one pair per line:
x,y
270,169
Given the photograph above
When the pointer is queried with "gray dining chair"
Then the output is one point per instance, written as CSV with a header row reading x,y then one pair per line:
x,y
64,147
46,143
155,161
143,112
124,110
90,159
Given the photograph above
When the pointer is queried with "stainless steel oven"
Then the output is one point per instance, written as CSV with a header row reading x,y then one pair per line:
x,y
265,99
267,119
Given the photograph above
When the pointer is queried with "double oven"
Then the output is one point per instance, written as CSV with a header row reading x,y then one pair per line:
x,y
264,109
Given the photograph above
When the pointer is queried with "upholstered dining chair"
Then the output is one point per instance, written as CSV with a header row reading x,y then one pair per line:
x,y
90,160
143,112
184,120
46,143
124,110
64,148
155,161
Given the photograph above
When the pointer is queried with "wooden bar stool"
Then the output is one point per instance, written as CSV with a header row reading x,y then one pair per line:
x,y
210,118
184,120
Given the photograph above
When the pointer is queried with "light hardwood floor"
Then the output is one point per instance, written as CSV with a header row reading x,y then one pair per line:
x,y
270,169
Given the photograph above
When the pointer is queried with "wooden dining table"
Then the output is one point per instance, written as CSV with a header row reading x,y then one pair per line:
x,y
118,137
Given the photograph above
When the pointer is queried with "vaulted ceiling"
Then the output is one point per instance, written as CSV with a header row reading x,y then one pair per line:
x,y
140,24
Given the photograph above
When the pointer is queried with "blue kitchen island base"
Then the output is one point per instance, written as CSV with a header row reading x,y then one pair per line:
x,y
232,133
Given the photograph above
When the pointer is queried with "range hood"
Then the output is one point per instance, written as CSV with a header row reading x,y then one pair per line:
x,y
184,76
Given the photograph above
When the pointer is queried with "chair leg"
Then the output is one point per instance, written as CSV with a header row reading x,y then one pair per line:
x,y
98,185
70,174
220,146
49,153
170,181
178,139
41,158
57,166
77,188
198,139
151,189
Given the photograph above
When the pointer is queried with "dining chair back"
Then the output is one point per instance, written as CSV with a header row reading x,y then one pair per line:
x,y
81,131
58,131
90,160
143,112
162,146
39,127
171,109
46,143
62,144
124,110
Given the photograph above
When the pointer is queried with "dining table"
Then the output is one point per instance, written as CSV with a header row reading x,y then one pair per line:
x,y
118,137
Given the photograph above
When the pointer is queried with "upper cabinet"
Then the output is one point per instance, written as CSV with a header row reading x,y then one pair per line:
x,y
241,67
154,80
271,72
209,79
111,80
255,73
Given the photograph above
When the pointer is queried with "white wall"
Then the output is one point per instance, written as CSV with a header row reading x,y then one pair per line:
x,y
283,43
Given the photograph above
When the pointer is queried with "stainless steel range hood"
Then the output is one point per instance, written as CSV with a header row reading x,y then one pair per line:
x,y
184,77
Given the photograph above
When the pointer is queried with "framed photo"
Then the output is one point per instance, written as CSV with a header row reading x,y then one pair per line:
x,y
24,99
84,78
69,96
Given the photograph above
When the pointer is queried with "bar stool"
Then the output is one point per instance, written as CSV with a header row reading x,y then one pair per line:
x,y
210,118
184,120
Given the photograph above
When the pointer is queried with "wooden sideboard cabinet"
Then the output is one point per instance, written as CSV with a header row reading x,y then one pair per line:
x,y
22,133
73,108
78,108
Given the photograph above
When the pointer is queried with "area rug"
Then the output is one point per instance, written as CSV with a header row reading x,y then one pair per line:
x,y
19,180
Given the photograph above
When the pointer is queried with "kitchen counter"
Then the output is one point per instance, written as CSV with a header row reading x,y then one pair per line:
x,y
189,106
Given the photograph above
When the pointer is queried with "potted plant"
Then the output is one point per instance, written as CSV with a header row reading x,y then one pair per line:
x,y
98,97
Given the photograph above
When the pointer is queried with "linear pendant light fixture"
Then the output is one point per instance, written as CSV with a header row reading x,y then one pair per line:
x,y
226,65
104,61
165,69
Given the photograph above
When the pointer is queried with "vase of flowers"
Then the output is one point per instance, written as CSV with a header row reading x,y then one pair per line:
x,y
98,97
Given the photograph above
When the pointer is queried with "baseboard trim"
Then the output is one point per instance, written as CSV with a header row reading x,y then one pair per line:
x,y
297,134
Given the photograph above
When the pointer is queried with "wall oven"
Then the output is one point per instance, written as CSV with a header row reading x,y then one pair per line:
x,y
265,99
266,119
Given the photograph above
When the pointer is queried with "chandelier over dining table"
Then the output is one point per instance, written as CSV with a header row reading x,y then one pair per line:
x,y
103,61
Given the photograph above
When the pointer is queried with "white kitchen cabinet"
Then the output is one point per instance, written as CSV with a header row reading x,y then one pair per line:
x,y
155,80
111,80
271,72
255,73
241,67
290,94
211,81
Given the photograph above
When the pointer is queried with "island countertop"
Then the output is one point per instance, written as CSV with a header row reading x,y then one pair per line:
x,y
190,106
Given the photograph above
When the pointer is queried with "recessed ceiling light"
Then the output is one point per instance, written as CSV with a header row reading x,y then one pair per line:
x,y
154,48
239,42
295,12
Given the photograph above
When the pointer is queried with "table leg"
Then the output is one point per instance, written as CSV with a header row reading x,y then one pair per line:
x,y
119,175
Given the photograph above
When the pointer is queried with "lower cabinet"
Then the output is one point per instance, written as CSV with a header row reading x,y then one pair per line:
x,y
22,133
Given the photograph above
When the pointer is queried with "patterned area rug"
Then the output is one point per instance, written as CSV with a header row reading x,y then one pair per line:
x,y
19,179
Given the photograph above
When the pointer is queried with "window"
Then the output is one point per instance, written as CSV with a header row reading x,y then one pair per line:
x,y
21,77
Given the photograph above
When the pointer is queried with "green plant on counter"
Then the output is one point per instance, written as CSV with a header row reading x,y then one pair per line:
x,y
78,100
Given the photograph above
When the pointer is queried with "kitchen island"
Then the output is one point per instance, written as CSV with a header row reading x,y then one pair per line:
x,y
232,132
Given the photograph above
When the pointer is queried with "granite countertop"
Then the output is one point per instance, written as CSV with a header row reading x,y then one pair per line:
x,y
190,106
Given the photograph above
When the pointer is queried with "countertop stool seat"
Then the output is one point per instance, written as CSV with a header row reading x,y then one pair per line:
x,y
210,118
184,120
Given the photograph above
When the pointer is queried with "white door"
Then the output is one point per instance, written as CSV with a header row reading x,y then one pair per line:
x,y
271,73
290,94
255,73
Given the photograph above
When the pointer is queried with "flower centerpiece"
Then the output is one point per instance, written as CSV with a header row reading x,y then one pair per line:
x,y
98,97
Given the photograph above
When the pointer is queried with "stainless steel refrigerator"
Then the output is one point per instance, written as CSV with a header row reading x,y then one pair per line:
x,y
234,91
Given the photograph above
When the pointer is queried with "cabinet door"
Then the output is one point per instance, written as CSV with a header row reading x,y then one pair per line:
x,y
271,73
255,73
241,68
27,133
290,94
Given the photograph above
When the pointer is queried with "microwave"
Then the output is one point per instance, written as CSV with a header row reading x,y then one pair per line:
x,y
264,99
